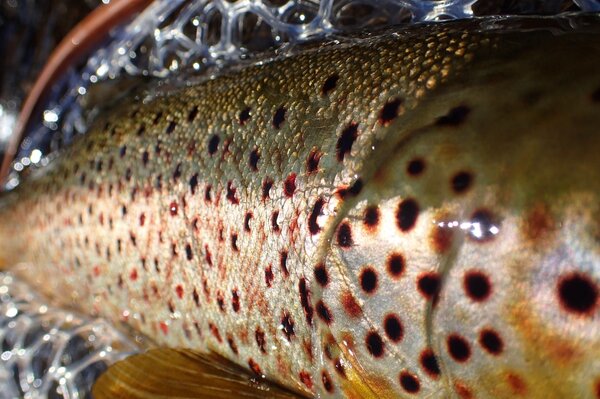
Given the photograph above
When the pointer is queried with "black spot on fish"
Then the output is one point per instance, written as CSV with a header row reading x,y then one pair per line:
x,y
368,280
193,183
305,300
461,182
313,226
344,235
312,162
287,324
279,117
371,216
458,348
253,160
429,284
266,188
491,341
393,327
390,111
429,363
346,140
374,344
577,293
477,286
244,116
596,95
407,213
329,84
171,127
395,265
213,144
192,114
321,274
454,117
177,172
415,167
409,382
324,312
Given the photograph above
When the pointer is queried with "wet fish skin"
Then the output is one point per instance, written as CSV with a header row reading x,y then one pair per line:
x,y
406,215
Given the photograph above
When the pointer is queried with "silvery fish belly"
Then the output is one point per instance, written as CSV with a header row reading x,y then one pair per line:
x,y
408,214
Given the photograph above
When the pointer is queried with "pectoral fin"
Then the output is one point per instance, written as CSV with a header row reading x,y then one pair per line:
x,y
174,373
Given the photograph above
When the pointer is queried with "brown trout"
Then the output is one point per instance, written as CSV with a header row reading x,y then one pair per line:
x,y
409,214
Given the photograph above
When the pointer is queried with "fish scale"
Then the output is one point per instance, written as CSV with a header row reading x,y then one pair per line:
x,y
286,216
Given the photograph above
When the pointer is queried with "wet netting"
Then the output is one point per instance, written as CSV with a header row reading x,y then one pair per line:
x,y
51,352
173,37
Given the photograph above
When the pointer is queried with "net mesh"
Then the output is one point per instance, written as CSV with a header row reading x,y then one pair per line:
x,y
51,352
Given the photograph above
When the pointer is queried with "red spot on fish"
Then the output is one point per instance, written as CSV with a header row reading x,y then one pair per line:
x,y
221,301
133,275
164,327
215,332
96,271
173,208
232,344
269,276
289,185
326,379
261,342
516,383
441,239
255,367
179,291
462,390
235,300
350,305
306,379
208,256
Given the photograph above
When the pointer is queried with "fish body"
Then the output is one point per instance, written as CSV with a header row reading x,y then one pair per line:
x,y
412,214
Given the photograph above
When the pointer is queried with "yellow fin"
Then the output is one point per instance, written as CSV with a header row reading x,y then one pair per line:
x,y
174,373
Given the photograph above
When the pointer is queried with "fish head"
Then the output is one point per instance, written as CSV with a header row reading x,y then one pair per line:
x,y
470,259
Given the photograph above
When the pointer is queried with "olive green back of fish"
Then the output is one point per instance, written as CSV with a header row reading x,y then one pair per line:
x,y
352,220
